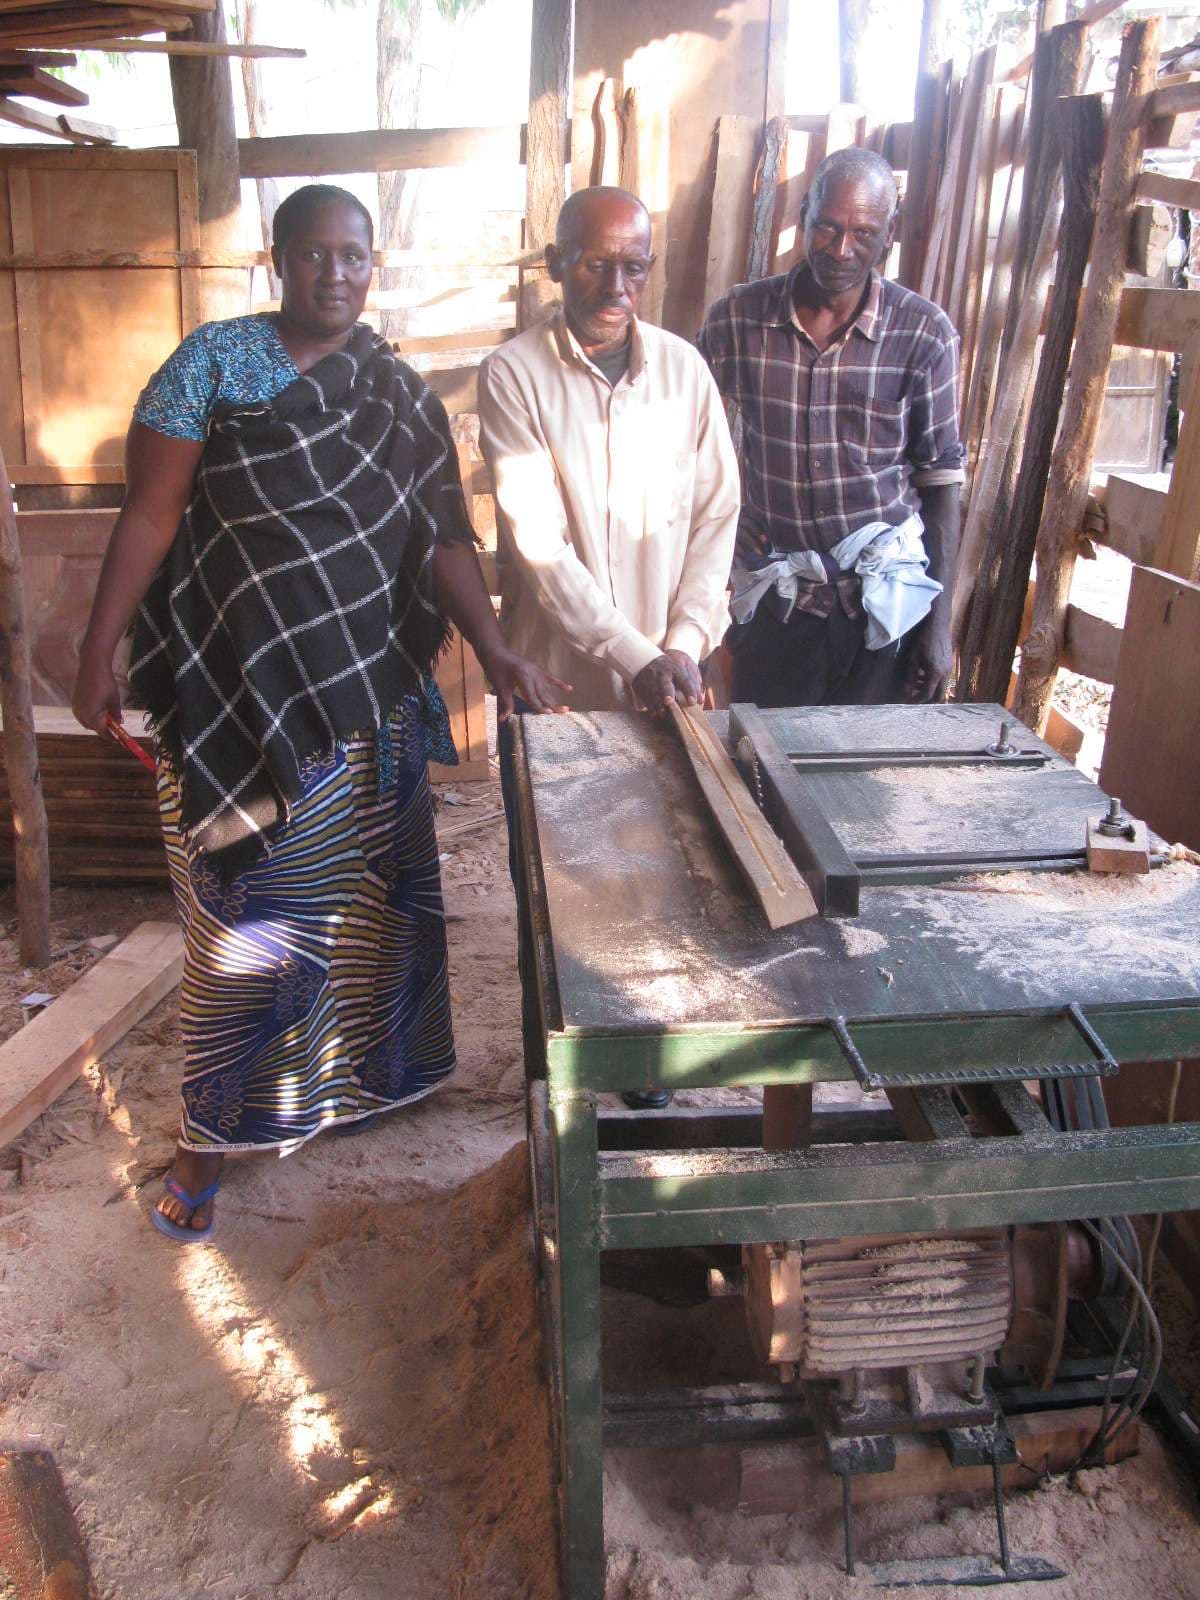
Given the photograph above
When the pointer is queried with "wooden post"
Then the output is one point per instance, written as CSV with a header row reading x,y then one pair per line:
x,y
1071,464
1059,64
992,481
924,158
770,172
546,143
202,89
1003,577
987,350
20,745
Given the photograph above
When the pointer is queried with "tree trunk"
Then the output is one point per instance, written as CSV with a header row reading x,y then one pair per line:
x,y
257,120
551,47
398,98
202,89
20,746
854,19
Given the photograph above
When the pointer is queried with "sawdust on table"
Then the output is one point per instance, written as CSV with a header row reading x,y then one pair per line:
x,y
344,1396
1041,923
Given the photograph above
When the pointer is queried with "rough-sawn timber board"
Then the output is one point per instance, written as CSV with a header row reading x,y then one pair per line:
x,y
50,1052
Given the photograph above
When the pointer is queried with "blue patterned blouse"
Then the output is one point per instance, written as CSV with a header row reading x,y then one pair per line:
x,y
243,361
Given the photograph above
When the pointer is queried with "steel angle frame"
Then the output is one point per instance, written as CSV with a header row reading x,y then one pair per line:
x,y
587,1199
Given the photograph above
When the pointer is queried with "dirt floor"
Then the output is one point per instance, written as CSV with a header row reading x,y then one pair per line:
x,y
343,1395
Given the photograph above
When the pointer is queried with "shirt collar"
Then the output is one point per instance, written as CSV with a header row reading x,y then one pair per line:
x,y
868,322
570,349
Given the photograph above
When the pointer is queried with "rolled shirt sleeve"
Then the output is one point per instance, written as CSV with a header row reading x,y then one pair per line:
x,y
935,452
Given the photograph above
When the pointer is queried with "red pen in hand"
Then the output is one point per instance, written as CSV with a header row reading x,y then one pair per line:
x,y
134,748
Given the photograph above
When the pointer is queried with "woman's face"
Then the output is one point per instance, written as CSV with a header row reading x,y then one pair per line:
x,y
325,270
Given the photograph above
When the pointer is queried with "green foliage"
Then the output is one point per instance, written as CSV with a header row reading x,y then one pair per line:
x,y
94,65
984,22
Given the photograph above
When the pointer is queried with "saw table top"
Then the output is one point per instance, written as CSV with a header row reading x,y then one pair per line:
x,y
653,930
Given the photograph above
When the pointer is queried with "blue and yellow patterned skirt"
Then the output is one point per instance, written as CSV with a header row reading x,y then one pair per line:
x,y
315,988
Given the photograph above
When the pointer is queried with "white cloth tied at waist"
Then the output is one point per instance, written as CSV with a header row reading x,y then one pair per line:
x,y
897,591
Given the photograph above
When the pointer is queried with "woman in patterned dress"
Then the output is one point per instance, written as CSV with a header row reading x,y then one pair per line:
x,y
292,543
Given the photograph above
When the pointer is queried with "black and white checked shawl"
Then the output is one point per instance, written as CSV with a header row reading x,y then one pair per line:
x,y
295,606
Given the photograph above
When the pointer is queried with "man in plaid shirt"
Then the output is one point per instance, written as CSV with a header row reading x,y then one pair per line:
x,y
851,461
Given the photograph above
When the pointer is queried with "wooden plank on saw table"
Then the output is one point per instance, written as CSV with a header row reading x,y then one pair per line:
x,y
50,1052
764,863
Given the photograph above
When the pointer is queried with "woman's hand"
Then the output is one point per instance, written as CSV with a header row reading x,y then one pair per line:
x,y
95,697
512,677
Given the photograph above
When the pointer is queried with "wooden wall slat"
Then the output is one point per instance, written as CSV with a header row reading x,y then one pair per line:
x,y
188,193
29,348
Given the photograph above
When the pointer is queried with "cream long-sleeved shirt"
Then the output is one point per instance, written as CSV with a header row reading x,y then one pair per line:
x,y
616,506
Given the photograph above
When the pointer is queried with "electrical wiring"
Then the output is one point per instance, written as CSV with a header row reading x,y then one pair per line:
x,y
1147,1373
1152,1247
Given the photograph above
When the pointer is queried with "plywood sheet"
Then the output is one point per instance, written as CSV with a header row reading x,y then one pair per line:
x,y
84,342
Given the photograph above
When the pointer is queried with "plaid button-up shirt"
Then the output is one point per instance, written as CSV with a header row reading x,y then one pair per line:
x,y
834,439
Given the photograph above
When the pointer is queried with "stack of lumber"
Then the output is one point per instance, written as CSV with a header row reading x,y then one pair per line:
x,y
37,41
101,808
1036,360
64,23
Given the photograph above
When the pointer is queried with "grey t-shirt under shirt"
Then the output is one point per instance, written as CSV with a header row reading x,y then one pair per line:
x,y
615,365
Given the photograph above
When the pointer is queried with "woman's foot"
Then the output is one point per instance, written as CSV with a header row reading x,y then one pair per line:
x,y
193,1171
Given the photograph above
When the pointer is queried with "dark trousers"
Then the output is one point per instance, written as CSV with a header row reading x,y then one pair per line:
x,y
813,661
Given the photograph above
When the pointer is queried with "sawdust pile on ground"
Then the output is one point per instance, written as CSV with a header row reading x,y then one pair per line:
x,y
344,1396
1125,1533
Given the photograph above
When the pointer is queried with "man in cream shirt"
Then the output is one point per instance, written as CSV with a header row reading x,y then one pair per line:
x,y
616,482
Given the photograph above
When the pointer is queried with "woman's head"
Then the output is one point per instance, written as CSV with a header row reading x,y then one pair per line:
x,y
322,239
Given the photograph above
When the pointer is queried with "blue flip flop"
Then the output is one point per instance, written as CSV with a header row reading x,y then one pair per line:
x,y
174,1230
348,1130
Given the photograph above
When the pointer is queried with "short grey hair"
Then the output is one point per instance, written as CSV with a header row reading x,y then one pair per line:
x,y
854,165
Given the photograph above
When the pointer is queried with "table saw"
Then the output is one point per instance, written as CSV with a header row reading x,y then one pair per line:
x,y
960,965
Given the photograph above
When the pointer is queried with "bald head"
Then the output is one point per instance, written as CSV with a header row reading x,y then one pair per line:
x,y
587,206
602,258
